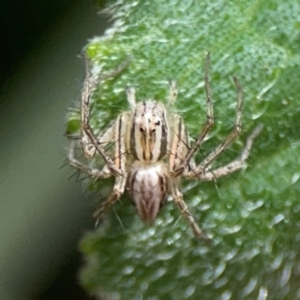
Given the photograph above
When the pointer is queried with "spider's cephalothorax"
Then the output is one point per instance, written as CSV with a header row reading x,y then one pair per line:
x,y
152,151
148,141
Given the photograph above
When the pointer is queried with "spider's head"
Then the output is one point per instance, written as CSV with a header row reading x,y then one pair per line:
x,y
149,132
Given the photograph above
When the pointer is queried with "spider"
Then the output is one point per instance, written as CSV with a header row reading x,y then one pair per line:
x,y
152,151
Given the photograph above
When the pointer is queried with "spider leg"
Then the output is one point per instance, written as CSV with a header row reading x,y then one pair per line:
x,y
93,172
179,147
88,86
119,188
208,124
91,144
233,135
178,199
104,138
118,168
88,140
118,70
232,166
130,92
179,144
173,92
87,147
117,132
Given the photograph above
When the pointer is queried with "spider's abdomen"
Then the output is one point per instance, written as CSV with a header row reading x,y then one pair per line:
x,y
148,187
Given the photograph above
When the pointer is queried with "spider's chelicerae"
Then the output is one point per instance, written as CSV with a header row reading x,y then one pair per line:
x,y
152,151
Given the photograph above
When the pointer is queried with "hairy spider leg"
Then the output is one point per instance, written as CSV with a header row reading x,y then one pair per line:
x,y
207,126
178,150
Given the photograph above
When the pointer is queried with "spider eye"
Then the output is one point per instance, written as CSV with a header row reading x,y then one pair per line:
x,y
157,123
153,130
142,129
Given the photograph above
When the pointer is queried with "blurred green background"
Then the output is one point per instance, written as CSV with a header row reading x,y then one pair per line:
x,y
43,214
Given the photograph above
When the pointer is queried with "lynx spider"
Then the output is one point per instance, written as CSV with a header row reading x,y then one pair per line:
x,y
152,150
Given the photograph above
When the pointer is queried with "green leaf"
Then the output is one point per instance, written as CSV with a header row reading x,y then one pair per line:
x,y
253,215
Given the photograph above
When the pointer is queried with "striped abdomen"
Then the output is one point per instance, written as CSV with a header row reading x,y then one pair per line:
x,y
148,186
